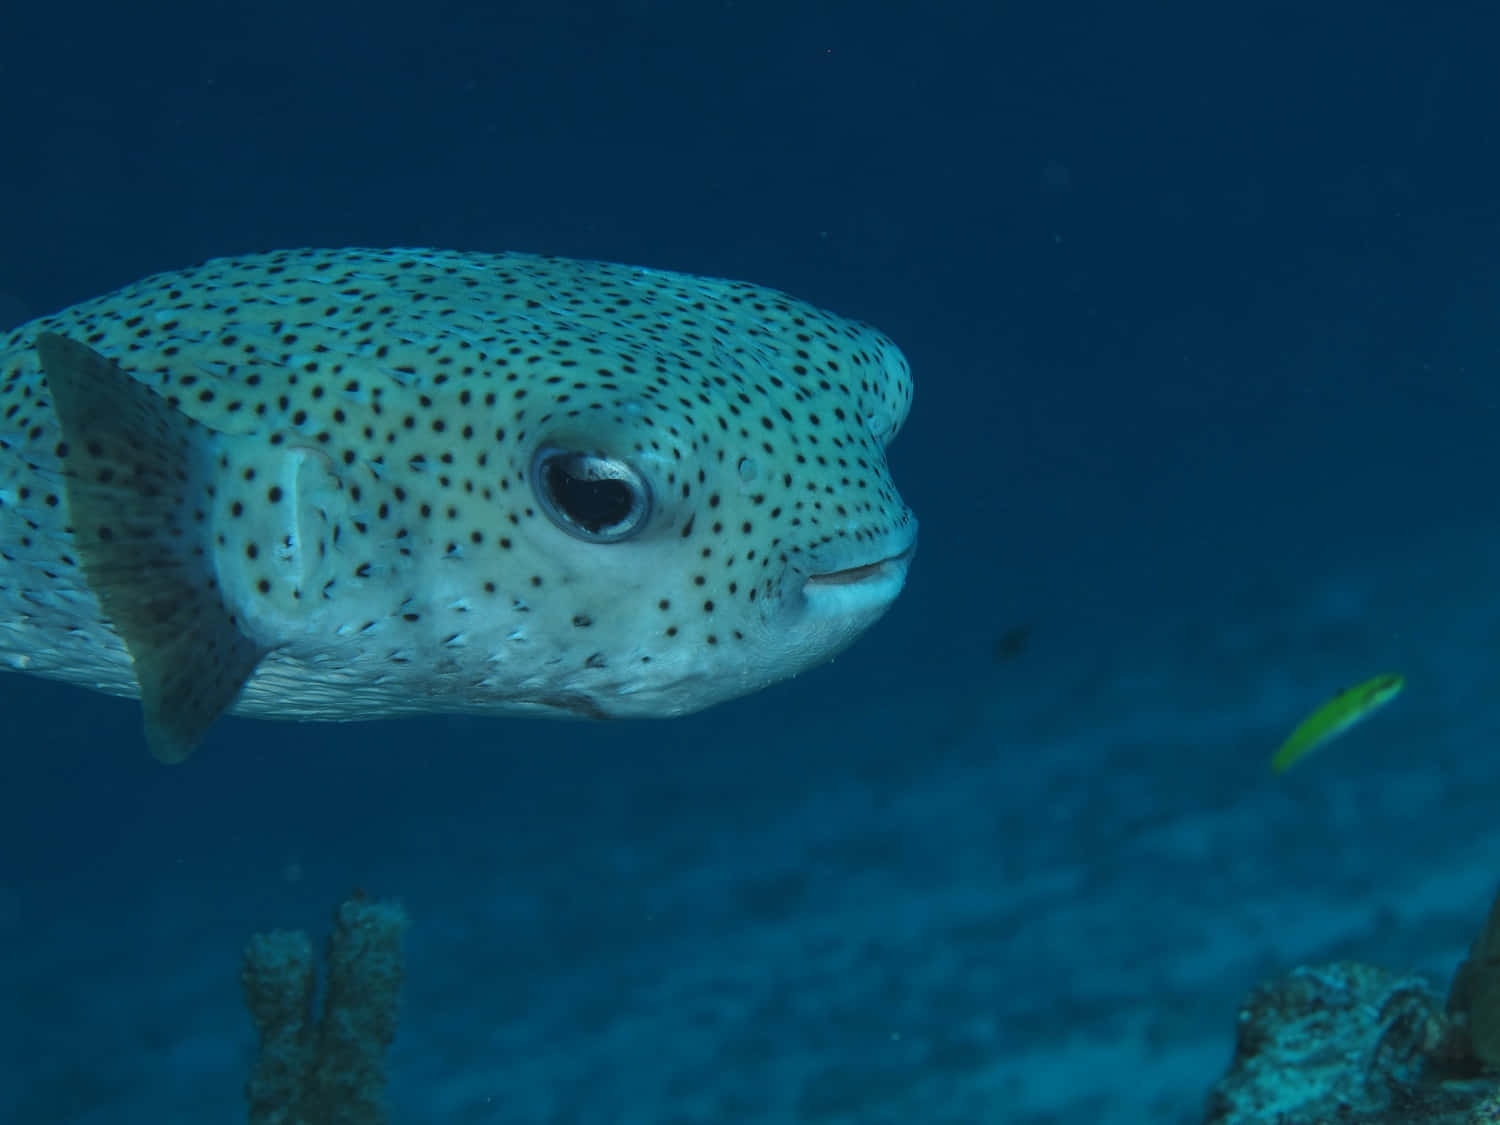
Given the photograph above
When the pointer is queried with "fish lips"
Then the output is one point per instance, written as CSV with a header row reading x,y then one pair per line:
x,y
863,587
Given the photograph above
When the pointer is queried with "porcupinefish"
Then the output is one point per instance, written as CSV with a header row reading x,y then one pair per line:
x,y
347,484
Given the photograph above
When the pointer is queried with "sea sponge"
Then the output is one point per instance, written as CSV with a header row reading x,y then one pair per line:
x,y
1474,998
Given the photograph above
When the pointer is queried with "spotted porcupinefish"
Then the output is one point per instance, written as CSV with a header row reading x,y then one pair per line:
x,y
343,484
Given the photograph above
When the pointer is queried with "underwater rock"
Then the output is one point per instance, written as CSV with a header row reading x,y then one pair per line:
x,y
1350,1043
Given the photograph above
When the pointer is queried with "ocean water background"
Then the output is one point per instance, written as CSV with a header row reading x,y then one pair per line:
x,y
1202,304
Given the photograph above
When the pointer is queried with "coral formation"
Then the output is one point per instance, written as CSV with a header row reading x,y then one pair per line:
x,y
323,1064
1357,1044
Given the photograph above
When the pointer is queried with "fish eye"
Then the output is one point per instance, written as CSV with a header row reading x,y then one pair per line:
x,y
592,497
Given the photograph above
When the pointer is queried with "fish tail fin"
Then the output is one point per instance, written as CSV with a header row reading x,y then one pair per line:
x,y
138,479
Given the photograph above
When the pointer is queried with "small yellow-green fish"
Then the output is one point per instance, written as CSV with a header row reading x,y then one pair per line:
x,y
1336,716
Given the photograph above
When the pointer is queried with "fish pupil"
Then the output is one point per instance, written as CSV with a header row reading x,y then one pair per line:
x,y
594,505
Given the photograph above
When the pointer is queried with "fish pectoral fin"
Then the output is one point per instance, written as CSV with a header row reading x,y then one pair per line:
x,y
138,482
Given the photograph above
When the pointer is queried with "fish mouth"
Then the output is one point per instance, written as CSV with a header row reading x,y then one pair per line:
x,y
892,567
840,604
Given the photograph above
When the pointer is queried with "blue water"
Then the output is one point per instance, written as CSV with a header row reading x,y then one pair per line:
x,y
1202,307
